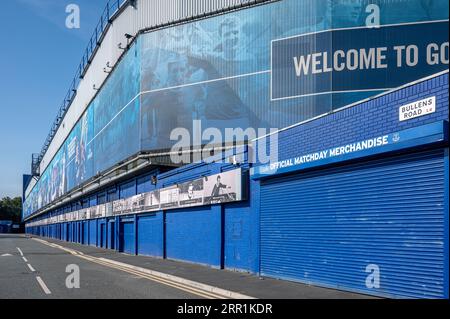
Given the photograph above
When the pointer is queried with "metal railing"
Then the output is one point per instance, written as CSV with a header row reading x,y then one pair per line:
x,y
111,10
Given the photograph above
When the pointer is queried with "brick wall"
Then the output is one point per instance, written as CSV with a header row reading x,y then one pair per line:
x,y
369,119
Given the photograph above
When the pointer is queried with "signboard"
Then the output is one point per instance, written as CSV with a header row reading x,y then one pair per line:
x,y
425,134
357,59
417,109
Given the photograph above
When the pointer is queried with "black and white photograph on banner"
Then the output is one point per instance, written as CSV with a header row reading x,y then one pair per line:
x,y
128,205
137,203
223,188
108,209
191,193
169,197
118,206
151,201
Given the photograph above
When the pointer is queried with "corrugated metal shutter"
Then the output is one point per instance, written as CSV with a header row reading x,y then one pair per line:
x,y
111,235
151,235
102,238
326,226
128,239
93,232
86,232
194,235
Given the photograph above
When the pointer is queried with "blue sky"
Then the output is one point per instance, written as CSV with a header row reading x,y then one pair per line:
x,y
38,59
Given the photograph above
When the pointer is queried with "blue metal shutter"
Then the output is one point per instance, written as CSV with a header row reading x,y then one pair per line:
x,y
326,226
111,235
194,235
102,237
128,243
151,235
86,233
93,232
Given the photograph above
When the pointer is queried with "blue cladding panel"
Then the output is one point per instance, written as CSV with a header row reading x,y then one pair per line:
x,y
194,235
150,235
128,238
111,234
128,189
144,184
86,232
93,201
101,199
112,195
63,232
102,235
79,232
93,232
325,227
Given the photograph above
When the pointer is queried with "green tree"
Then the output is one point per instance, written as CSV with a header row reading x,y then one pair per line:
x,y
11,209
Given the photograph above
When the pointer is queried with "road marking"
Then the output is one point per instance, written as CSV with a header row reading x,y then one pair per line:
x,y
180,281
191,290
192,287
20,251
6,255
24,259
31,268
43,285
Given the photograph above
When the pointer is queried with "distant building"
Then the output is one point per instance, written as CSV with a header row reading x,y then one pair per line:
x,y
6,226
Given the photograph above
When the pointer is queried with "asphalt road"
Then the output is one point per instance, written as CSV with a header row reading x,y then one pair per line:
x,y
32,270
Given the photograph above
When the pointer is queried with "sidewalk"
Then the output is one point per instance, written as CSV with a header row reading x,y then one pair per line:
x,y
243,283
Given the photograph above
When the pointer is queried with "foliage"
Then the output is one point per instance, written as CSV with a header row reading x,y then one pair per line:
x,y
11,209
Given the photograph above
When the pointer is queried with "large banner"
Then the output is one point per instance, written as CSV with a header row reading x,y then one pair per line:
x,y
209,190
357,59
221,188
268,66
279,64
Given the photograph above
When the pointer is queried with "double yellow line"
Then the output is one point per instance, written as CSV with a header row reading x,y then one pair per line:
x,y
167,282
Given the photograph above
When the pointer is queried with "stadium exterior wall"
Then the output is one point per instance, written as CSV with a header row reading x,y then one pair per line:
x,y
148,14
240,234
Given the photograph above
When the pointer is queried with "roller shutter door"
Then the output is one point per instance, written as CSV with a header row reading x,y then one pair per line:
x,y
194,235
102,236
329,227
151,235
111,235
127,237
85,226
